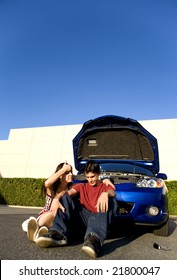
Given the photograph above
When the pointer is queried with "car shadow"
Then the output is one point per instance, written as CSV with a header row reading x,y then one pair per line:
x,y
122,236
129,233
115,244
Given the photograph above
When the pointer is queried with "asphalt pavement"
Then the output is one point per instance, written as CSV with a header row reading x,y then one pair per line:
x,y
123,244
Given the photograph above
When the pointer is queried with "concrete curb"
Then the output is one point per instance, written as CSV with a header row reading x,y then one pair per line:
x,y
20,206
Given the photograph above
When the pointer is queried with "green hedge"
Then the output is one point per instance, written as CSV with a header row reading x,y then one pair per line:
x,y
172,197
27,192
21,191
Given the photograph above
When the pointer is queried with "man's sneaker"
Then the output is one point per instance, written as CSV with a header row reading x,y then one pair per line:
x,y
42,231
52,239
32,229
91,246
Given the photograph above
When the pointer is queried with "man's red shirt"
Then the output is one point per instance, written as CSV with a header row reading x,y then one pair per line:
x,y
89,194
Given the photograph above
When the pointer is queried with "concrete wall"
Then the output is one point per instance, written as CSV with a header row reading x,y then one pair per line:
x,y
35,152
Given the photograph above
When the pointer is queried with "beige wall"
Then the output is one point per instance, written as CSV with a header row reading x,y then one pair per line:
x,y
35,152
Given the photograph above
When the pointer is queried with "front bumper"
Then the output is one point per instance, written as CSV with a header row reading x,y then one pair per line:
x,y
136,204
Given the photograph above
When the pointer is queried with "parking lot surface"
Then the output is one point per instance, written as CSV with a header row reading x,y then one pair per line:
x,y
123,244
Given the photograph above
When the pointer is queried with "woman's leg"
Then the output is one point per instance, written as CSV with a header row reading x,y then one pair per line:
x,y
46,219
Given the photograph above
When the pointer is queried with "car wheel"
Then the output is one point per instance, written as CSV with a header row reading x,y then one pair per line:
x,y
162,231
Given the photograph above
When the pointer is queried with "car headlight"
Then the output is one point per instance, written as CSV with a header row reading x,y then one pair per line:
x,y
150,183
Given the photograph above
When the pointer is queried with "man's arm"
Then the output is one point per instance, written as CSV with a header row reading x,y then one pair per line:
x,y
72,192
57,202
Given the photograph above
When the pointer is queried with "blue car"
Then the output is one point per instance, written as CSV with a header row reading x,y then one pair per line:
x,y
128,155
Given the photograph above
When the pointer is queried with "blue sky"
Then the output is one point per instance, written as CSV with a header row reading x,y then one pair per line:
x,y
64,62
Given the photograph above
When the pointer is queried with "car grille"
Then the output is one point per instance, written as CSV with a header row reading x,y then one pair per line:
x,y
124,208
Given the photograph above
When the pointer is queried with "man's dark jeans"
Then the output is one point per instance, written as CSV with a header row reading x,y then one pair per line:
x,y
95,223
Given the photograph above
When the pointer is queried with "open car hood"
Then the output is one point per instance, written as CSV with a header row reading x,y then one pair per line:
x,y
114,139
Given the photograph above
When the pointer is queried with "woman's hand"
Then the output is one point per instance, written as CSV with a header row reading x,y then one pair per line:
x,y
107,182
56,204
66,167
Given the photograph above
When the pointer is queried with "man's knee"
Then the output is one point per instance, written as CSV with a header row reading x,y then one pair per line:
x,y
67,201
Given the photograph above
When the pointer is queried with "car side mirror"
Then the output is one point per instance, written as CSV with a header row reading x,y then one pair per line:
x,y
162,176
